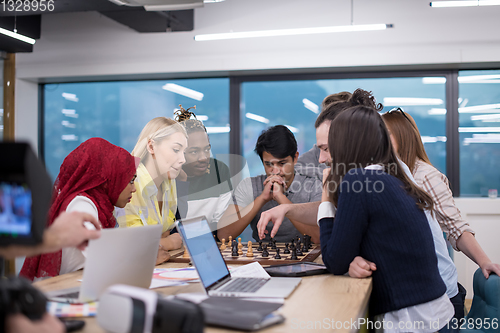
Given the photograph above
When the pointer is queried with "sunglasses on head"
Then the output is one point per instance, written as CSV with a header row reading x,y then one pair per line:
x,y
403,113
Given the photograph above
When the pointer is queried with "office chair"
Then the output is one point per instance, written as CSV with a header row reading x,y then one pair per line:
x,y
484,314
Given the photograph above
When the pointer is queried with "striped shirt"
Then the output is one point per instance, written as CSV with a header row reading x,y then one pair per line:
x,y
143,209
447,213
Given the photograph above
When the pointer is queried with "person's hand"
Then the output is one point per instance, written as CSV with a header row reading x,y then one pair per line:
x,y
274,188
274,215
19,323
278,192
267,192
68,230
325,196
489,268
163,255
361,268
171,241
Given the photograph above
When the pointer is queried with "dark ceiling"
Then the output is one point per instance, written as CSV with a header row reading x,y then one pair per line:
x,y
28,23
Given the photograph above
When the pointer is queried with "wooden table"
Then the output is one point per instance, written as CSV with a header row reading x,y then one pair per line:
x,y
320,300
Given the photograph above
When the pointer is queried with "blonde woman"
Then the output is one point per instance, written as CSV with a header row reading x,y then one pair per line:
x,y
160,147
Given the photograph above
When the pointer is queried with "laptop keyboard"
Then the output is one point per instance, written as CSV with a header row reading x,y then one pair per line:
x,y
247,285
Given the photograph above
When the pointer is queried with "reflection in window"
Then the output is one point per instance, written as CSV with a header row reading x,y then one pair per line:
x,y
296,104
479,131
117,112
1,99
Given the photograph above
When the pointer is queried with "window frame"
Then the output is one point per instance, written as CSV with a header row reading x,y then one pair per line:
x,y
236,123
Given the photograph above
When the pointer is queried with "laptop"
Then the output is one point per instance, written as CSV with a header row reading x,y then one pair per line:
x,y
119,256
213,272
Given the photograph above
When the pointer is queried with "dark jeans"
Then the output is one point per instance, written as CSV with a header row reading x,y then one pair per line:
x,y
458,303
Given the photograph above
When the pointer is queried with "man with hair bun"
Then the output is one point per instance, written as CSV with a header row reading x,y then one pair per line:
x,y
277,149
204,185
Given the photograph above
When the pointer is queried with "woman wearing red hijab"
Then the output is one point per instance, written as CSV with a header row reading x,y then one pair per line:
x,y
94,178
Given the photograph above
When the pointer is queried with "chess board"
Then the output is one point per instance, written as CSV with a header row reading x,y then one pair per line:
x,y
314,252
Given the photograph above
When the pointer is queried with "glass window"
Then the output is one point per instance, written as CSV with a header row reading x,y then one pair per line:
x,y
117,112
297,103
1,99
479,131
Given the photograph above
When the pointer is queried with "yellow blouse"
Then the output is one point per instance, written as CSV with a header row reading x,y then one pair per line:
x,y
143,208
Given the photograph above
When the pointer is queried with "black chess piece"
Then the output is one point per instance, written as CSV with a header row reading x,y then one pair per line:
x,y
309,243
298,250
305,248
292,242
274,244
234,249
294,253
265,253
277,256
270,245
286,250
260,246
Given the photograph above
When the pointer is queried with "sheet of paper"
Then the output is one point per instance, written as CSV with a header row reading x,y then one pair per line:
x,y
176,274
251,270
159,283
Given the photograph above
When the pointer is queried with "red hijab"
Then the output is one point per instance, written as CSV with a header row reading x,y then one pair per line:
x,y
96,169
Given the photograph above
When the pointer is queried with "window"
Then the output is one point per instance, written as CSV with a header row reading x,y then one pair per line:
x,y
297,103
479,131
1,99
117,112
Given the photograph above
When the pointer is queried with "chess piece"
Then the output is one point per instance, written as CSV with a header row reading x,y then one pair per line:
x,y
294,253
298,248
260,246
240,246
286,250
250,249
274,244
230,241
223,246
305,248
234,249
265,253
270,245
277,256
186,253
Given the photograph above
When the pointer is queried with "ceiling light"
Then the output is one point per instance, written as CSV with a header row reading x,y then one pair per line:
x,y
482,138
486,117
465,3
70,97
310,105
17,36
486,108
215,130
494,78
292,129
202,117
292,32
257,118
436,111
407,101
175,88
478,129
433,80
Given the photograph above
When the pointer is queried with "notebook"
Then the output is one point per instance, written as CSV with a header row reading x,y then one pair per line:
x,y
214,273
119,256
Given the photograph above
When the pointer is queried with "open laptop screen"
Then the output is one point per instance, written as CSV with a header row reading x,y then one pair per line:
x,y
203,250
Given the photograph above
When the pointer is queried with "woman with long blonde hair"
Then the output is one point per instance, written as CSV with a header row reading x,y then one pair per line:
x,y
160,148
